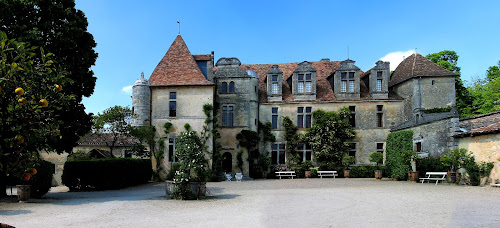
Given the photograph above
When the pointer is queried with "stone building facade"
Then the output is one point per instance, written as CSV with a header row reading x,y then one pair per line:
x,y
246,94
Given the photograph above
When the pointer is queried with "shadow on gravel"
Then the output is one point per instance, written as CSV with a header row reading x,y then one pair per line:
x,y
14,212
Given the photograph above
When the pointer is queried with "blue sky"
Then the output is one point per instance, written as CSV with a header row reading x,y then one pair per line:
x,y
133,36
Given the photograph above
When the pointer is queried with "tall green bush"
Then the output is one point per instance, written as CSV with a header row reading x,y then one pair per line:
x,y
397,144
42,181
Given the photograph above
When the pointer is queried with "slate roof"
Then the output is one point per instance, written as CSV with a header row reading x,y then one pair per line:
x,y
423,68
480,125
96,140
324,69
178,67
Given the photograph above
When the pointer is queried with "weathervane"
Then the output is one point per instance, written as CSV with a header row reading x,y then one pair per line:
x,y
179,22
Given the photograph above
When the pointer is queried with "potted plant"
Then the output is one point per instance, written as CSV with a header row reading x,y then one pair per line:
x,y
409,159
306,165
454,160
346,162
378,158
264,162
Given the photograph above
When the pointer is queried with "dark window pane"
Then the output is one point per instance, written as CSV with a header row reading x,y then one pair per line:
x,y
274,110
352,146
301,155
223,88
274,157
352,108
300,146
173,109
379,74
300,109
282,157
300,121
308,156
173,95
224,119
308,147
380,122
351,75
380,107
275,78
380,146
274,146
274,124
419,146
282,146
301,77
343,75
352,120
308,121
231,87
171,153
308,109
230,119
352,153
308,76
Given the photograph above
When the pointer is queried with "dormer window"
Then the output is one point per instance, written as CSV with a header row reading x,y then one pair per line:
x,y
379,80
347,82
274,86
304,82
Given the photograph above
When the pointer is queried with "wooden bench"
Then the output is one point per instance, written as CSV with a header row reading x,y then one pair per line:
x,y
322,174
286,174
434,176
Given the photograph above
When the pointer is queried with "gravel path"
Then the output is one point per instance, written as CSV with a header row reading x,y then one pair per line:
x,y
267,203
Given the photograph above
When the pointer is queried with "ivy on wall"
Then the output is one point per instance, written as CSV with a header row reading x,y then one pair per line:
x,y
397,147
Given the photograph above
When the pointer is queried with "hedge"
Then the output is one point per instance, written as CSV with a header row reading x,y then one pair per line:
x,y
103,174
41,182
361,171
397,144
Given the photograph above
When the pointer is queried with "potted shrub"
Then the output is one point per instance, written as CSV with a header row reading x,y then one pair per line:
x,y
346,162
306,165
409,158
454,160
378,158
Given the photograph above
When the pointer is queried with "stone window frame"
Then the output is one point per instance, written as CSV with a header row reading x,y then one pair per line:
x,y
302,79
347,81
227,114
304,117
172,105
231,87
303,149
274,84
274,118
380,77
277,152
171,150
352,116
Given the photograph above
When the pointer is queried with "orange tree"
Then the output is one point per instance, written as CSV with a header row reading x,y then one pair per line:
x,y
30,90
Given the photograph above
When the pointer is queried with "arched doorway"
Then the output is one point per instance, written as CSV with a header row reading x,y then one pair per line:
x,y
227,162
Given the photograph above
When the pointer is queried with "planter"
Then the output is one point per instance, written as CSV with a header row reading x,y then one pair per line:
x,y
198,189
378,174
308,174
264,174
453,177
413,176
395,179
23,193
346,173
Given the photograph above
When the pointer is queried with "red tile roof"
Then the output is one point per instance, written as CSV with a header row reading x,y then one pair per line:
x,y
96,140
480,125
178,68
423,68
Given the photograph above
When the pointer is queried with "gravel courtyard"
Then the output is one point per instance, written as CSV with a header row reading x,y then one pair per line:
x,y
267,203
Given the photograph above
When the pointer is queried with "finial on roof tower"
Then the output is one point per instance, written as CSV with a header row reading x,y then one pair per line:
x,y
179,22
142,75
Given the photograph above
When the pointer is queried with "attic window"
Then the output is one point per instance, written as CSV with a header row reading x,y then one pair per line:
x,y
231,87
347,83
274,86
379,80
304,83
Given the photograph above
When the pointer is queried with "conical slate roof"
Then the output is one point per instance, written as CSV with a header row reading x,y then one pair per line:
x,y
178,68
423,68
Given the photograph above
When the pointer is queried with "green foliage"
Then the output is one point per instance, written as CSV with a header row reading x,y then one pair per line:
x,y
239,159
193,164
158,156
437,110
114,121
59,28
248,139
103,174
173,169
146,136
486,92
429,164
448,60
79,155
167,125
485,168
362,171
42,181
187,127
378,158
347,161
473,171
266,131
314,172
264,162
397,158
329,134
455,159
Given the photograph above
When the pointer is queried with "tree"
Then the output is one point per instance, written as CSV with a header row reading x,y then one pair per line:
x,y
329,136
486,92
31,86
60,29
112,124
448,60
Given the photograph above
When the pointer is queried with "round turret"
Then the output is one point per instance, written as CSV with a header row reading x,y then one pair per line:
x,y
141,97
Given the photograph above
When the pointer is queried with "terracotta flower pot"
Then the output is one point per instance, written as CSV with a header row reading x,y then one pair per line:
x,y
346,173
453,177
378,174
308,174
413,176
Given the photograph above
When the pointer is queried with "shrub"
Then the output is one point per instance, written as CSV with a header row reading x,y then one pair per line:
x,y
455,159
362,171
377,157
430,165
173,168
473,171
347,161
397,144
42,181
103,174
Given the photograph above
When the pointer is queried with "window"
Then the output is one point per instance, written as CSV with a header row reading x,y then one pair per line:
x,y
347,83
418,147
304,151
304,119
352,116
380,116
379,80
227,115
380,147
171,150
278,153
352,149
274,88
304,83
274,123
231,87
172,105
223,88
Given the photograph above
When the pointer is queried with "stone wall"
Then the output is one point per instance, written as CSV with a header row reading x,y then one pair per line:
x,y
484,148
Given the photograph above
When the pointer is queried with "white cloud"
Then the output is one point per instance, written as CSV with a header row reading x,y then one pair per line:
x,y
127,89
396,57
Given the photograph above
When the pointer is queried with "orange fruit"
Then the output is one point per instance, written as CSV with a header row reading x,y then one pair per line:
x,y
33,171
22,100
19,91
14,65
0,89
44,103
19,139
59,88
26,176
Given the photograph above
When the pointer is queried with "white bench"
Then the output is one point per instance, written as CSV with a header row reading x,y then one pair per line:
x,y
434,176
286,174
322,174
